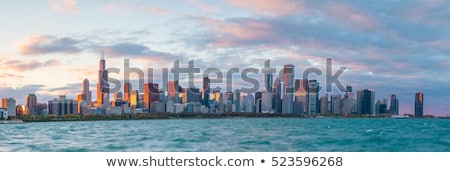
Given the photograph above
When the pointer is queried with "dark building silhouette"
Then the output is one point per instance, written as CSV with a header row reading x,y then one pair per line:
x,y
418,108
151,94
366,102
206,92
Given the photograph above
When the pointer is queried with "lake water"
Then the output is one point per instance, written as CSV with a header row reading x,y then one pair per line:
x,y
255,135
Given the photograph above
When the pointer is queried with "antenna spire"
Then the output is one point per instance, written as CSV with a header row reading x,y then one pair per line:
x,y
103,54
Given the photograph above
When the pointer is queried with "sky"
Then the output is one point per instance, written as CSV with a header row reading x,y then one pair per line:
x,y
401,47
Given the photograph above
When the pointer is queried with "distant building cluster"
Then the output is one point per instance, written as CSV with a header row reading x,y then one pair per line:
x,y
285,95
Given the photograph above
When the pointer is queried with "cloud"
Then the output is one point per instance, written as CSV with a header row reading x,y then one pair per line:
x,y
10,75
246,31
46,44
29,64
64,5
351,17
66,88
156,10
116,47
126,7
135,50
204,6
280,7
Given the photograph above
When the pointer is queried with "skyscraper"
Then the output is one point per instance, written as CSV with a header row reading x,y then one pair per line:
x,y
236,101
288,89
87,94
103,85
393,109
266,102
151,94
268,82
336,105
191,95
173,91
324,104
258,97
300,102
366,102
248,103
349,102
206,92
418,108
32,104
276,104
127,91
134,99
62,106
10,105
313,97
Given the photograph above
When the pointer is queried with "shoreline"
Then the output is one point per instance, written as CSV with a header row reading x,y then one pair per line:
x,y
170,116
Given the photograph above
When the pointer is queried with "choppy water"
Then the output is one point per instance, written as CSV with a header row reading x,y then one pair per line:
x,y
405,135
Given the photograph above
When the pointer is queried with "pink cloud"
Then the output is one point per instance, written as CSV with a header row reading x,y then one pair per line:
x,y
230,33
17,65
277,8
352,17
440,44
125,7
203,6
64,5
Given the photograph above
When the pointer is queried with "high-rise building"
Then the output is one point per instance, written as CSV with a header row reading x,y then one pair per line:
x,y
276,103
42,109
229,98
118,100
366,102
86,92
103,85
268,82
349,92
313,97
151,94
134,99
248,103
237,101
62,106
349,102
191,95
336,104
393,109
381,107
288,89
10,105
266,102
21,110
418,107
32,104
127,91
206,92
301,101
258,97
174,90
324,104
216,96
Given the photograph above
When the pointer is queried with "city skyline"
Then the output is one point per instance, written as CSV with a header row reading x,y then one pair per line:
x,y
155,98
401,55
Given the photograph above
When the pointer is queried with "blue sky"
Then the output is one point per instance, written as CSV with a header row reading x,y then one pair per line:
x,y
393,47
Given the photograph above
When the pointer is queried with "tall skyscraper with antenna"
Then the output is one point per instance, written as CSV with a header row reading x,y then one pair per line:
x,y
102,86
